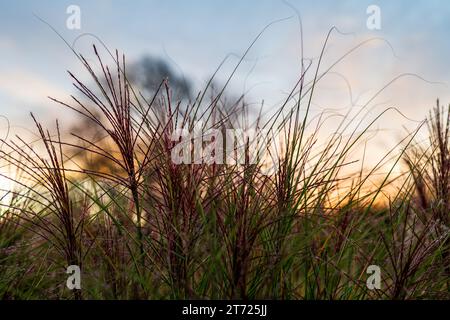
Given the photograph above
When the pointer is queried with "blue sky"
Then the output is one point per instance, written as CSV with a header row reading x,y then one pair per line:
x,y
194,36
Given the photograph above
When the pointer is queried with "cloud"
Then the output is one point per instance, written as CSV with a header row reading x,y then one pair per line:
x,y
27,89
7,44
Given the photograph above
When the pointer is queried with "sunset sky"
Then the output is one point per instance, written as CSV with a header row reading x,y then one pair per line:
x,y
195,36
224,150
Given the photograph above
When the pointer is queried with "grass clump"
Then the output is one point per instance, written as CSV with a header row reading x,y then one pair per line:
x,y
143,227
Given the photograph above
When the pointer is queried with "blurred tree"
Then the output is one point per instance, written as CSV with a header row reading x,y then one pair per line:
x,y
148,72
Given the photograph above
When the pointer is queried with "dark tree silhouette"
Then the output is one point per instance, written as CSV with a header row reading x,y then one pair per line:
x,y
148,72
